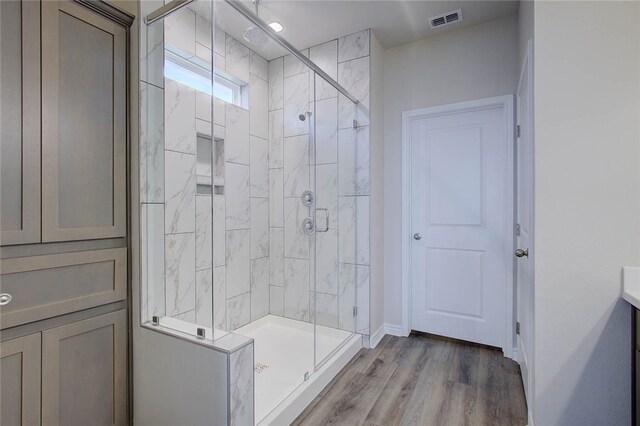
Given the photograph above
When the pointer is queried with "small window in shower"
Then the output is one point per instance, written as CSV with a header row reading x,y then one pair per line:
x,y
197,76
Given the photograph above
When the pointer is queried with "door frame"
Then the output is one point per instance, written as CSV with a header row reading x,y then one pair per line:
x,y
527,70
506,102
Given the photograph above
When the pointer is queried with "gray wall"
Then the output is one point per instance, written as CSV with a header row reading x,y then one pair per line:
x,y
472,63
587,180
525,28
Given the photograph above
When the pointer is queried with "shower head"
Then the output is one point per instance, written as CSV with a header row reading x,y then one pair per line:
x,y
255,35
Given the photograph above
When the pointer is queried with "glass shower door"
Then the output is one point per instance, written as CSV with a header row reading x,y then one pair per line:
x,y
264,150
334,162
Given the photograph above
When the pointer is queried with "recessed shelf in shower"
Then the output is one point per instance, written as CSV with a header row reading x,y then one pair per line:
x,y
210,165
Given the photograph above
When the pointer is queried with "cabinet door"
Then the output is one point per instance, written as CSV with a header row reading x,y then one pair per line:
x,y
20,122
83,124
20,381
84,372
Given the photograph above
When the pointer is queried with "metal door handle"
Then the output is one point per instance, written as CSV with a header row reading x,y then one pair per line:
x,y
522,253
5,298
417,236
326,223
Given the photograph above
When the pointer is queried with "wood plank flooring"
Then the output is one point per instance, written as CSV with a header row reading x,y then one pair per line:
x,y
422,380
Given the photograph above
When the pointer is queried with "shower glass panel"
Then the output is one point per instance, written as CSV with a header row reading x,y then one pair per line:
x,y
179,172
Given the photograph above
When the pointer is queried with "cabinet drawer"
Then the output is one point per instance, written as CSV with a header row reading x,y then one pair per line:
x,y
56,284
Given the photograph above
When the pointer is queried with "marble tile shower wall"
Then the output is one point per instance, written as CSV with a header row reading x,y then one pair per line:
x,y
342,182
216,246
244,208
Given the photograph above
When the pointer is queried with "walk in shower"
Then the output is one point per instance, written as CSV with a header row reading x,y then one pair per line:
x,y
254,188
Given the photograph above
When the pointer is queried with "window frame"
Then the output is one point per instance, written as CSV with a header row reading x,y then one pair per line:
x,y
235,86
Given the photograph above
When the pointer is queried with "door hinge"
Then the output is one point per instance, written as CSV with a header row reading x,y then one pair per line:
x,y
518,131
355,311
518,327
355,124
517,229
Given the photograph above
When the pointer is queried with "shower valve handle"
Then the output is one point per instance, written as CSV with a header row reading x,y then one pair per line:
x,y
308,226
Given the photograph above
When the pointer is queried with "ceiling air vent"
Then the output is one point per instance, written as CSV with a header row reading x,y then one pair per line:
x,y
445,19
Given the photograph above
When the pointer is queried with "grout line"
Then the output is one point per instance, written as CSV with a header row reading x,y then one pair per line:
x,y
180,233
179,152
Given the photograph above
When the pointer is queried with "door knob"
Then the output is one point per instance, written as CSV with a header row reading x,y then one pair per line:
x,y
417,236
522,253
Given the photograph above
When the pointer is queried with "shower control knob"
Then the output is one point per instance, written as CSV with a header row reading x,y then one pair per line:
x,y
307,198
308,226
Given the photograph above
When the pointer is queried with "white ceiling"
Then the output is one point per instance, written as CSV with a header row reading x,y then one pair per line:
x,y
395,22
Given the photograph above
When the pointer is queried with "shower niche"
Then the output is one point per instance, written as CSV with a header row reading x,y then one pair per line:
x,y
209,165
225,159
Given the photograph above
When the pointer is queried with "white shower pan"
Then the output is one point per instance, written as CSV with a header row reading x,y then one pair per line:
x,y
283,354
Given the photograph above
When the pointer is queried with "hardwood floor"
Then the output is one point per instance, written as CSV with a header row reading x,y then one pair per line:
x,y
422,380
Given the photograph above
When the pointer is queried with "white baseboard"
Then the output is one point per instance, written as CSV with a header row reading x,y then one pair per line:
x,y
393,329
377,335
384,329
514,354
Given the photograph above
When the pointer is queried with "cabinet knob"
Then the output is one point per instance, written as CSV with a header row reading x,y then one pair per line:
x,y
5,298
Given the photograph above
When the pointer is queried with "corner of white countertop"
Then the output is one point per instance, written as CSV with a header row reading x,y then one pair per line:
x,y
631,285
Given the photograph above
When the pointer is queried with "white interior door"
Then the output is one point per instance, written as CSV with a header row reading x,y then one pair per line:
x,y
460,201
524,220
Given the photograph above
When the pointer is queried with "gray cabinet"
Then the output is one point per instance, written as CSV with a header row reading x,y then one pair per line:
x,y
63,81
20,381
84,372
84,121
20,122
75,374
63,154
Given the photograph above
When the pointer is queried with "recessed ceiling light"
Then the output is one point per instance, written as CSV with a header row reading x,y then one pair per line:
x,y
276,26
